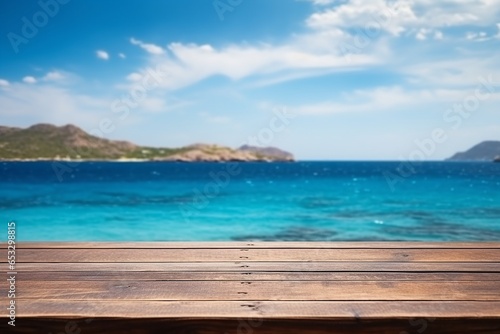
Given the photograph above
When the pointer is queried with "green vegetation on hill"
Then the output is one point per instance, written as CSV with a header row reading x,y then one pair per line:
x,y
46,141
49,142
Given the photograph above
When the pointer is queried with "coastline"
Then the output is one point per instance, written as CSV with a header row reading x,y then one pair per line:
x,y
144,160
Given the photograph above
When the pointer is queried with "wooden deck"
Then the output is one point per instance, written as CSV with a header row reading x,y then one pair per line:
x,y
245,288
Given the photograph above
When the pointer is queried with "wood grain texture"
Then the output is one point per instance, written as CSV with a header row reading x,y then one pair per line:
x,y
261,290
257,287
254,276
257,244
455,267
258,309
251,255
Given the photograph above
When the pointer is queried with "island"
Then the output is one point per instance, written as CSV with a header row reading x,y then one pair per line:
x,y
70,143
484,151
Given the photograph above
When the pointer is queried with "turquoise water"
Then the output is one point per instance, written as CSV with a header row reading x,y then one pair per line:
x,y
97,201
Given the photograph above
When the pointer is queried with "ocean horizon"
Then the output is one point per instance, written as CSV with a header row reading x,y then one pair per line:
x,y
279,201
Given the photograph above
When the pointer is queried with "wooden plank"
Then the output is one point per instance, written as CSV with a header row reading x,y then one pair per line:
x,y
261,309
255,325
267,267
259,244
281,287
255,276
258,290
278,255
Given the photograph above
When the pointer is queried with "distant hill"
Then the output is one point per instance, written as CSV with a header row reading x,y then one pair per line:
x,y
485,151
50,142
267,151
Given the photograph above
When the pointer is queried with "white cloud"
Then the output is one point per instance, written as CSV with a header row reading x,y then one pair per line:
x,y
330,45
459,72
480,36
4,83
101,54
54,76
321,2
155,103
389,98
438,35
400,16
29,79
190,63
122,55
150,48
357,13
49,103
422,34
134,77
369,100
470,35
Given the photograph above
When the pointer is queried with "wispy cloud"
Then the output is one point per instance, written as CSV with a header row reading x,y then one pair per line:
x,y
320,50
368,100
350,56
320,2
150,48
49,103
54,76
101,54
397,17
29,80
191,63
390,98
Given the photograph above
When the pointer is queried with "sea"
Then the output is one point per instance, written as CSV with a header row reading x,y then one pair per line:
x,y
300,201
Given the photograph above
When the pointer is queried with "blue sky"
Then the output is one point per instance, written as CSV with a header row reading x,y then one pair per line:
x,y
324,79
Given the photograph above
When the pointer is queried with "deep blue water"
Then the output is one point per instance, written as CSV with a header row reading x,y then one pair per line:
x,y
94,201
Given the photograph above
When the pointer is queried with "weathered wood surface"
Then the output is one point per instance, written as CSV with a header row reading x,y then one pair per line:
x,y
274,255
264,245
262,290
256,287
242,266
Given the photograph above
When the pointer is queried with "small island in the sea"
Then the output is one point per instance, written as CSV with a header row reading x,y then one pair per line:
x,y
485,151
49,142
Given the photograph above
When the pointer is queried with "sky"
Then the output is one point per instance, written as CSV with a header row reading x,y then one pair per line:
x,y
323,79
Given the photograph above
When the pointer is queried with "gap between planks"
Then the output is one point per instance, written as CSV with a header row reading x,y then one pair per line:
x,y
263,309
255,276
314,266
257,245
